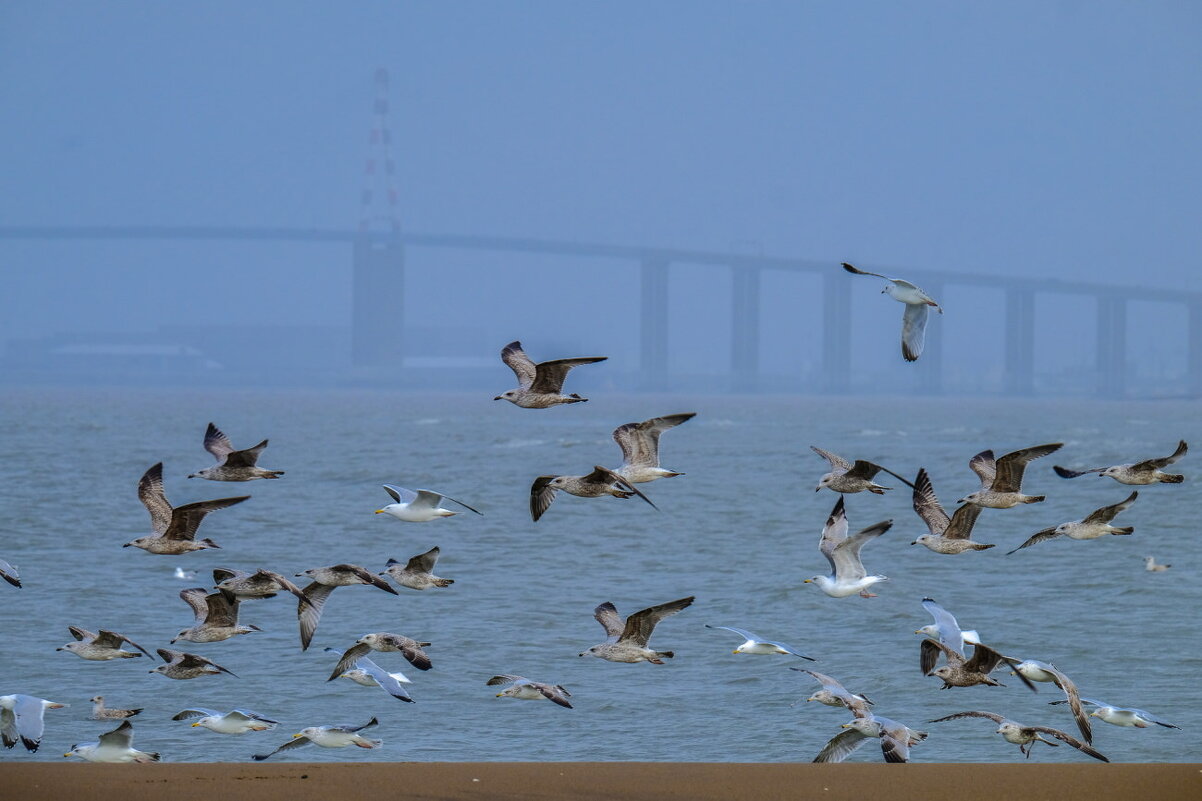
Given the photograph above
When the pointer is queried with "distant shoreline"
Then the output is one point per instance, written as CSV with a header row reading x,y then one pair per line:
x,y
586,781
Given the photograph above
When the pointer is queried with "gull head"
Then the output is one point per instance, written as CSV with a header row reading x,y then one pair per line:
x,y
971,498
825,481
559,482
943,672
159,669
140,542
182,635
923,540
865,726
590,652
511,396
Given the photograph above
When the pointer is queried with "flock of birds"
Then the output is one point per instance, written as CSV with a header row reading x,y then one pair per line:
x,y
966,660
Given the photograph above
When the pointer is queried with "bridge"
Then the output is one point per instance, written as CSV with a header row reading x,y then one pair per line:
x,y
378,327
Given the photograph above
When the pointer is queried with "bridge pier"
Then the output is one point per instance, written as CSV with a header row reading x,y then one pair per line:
x,y
836,333
745,328
1111,360
653,334
378,303
930,363
1019,375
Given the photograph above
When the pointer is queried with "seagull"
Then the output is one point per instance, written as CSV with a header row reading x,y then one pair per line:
x,y
101,712
914,319
174,527
758,645
327,737
628,639
896,738
416,573
1001,479
947,535
184,575
1025,737
848,576
21,719
9,574
1145,472
602,481
260,584
100,647
640,447
527,690
1152,566
181,665
114,746
540,385
970,635
959,671
408,647
232,465
368,674
418,506
216,616
238,721
847,477
1096,524
1123,716
325,581
835,694
1036,670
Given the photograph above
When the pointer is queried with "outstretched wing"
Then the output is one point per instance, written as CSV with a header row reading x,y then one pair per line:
x,y
112,639
640,625
186,519
607,615
985,466
927,505
217,443
549,376
990,715
1156,464
1108,513
541,495
150,493
309,614
834,532
121,737
1064,472
963,519
603,475
400,494
423,562
914,330
521,364
846,556
858,271
1010,467
1037,537
1071,740
950,633
247,457
640,441
288,746
349,658
837,462
841,746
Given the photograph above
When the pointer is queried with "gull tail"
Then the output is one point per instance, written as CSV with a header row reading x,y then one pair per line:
x,y
1175,479
1035,499
274,474
443,582
1126,530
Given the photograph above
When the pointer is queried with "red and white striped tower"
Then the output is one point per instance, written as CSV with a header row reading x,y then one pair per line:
x,y
377,308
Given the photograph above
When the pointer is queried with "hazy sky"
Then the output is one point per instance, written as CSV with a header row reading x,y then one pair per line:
x,y
1039,138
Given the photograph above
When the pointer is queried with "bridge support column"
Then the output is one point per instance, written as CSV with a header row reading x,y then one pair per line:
x,y
745,328
1019,377
1112,346
836,332
930,363
1193,369
377,316
653,347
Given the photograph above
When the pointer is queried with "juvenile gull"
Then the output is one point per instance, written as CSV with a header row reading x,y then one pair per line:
x,y
9,574
367,673
640,447
848,575
233,465
947,535
102,712
848,477
628,639
325,580
1152,566
416,574
1001,479
539,385
914,319
114,746
21,719
601,482
1025,737
1123,716
100,647
1145,472
833,693
408,647
338,736
758,645
238,721
527,690
895,738
959,671
181,665
1036,670
174,527
215,616
1096,524
260,584
418,506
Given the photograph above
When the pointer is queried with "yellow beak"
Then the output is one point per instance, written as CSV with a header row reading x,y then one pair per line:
x,y
379,511
298,734
194,725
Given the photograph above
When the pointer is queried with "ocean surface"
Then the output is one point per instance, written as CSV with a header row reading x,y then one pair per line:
x,y
739,531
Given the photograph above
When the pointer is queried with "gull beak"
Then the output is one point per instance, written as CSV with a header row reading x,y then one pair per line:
x,y
192,475
194,725
1093,714
298,734
498,695
497,398
67,754
580,654
818,488
915,542
379,511
735,651
807,581
126,545
845,726
60,649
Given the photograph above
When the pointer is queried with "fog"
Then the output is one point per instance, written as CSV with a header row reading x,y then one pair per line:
x,y
1037,140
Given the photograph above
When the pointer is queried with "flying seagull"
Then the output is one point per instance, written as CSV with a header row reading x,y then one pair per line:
x,y
847,477
1122,715
1096,524
114,746
599,483
914,319
833,693
367,673
848,575
640,447
325,581
215,616
1035,670
416,574
174,526
896,738
9,574
418,506
260,584
1145,472
339,736
408,647
540,385
182,666
237,721
959,671
1025,736
628,639
758,645
21,719
1001,479
232,465
948,535
527,690
100,647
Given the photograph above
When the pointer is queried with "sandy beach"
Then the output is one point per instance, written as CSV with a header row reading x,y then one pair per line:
x,y
585,781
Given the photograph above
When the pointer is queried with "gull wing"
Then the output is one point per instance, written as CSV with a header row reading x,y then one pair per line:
x,y
186,519
217,443
195,597
744,633
1073,697
928,654
914,330
521,364
82,635
541,495
294,743
858,271
841,746
895,739
150,493
121,737
846,556
432,498
603,475
640,441
639,626
1108,513
838,463
927,505
349,658
383,678
555,693
834,532
27,723
963,520
246,457
423,562
985,466
9,574
309,614
607,615
950,633
505,678
549,376
1156,464
196,712
1037,537
187,660
400,494
1010,467
222,608
112,639
998,719
1064,472
1068,738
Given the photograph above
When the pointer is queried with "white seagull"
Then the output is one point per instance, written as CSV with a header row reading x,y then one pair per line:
x,y
418,506
914,319
114,746
848,575
758,645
